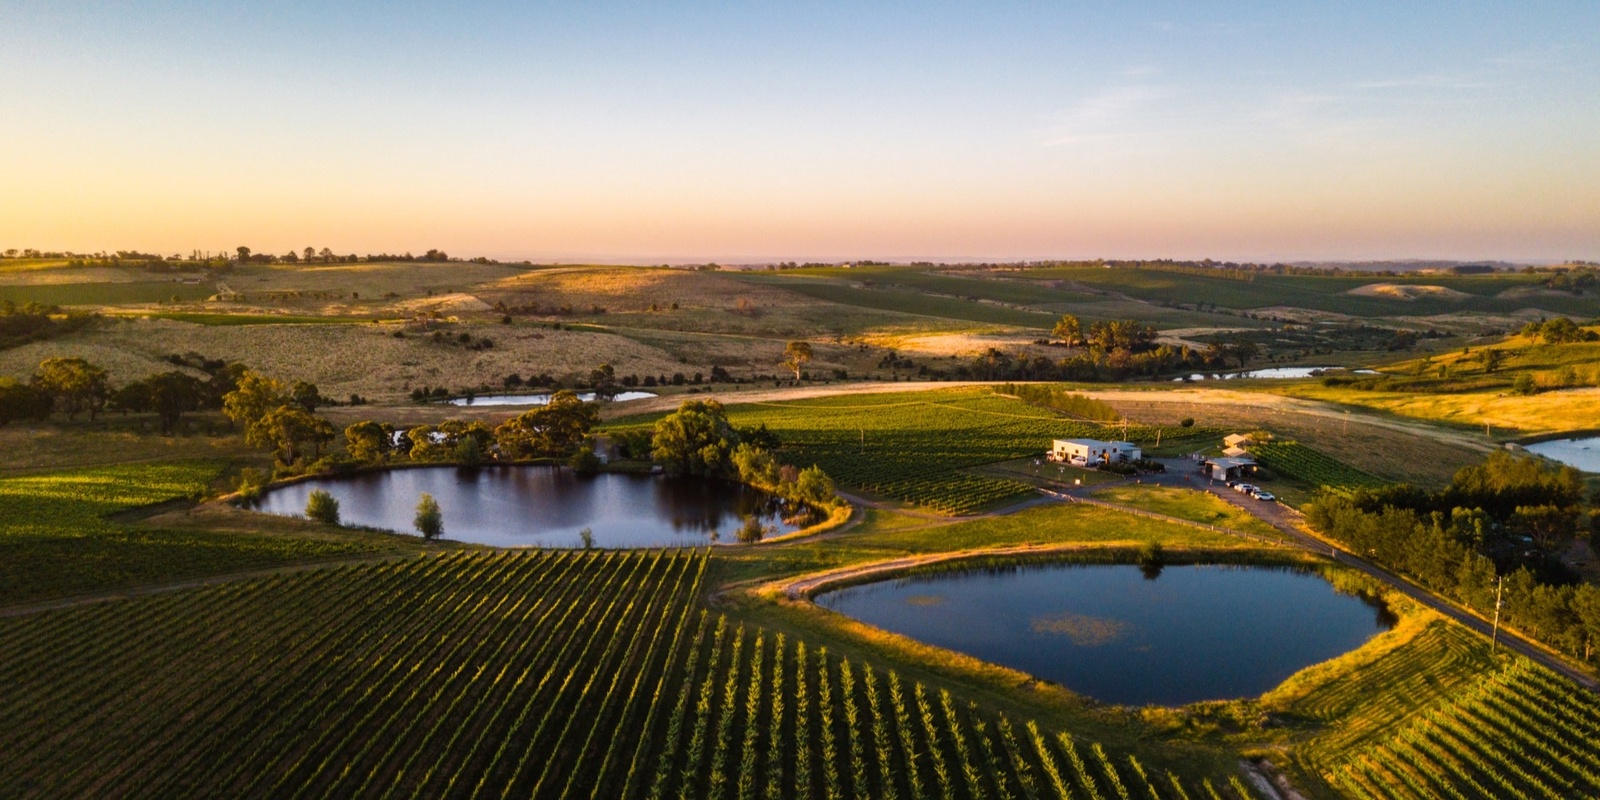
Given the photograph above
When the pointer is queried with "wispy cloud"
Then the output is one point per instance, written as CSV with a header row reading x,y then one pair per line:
x,y
1108,112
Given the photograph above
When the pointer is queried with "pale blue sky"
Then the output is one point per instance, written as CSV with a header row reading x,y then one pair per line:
x,y
753,131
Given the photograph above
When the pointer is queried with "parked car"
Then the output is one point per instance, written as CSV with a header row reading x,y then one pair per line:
x,y
1263,495
1244,488
1230,483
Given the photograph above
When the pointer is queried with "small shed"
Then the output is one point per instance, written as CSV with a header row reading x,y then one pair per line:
x,y
1237,440
1222,469
1235,452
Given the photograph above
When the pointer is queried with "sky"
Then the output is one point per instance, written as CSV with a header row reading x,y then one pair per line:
x,y
748,132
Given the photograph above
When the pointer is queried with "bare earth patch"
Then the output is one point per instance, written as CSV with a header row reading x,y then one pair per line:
x,y
1407,291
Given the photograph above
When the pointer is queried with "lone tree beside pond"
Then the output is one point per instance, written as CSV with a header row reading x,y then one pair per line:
x,y
697,439
322,507
429,520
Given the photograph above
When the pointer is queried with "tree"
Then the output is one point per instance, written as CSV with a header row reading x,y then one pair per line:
x,y
173,394
21,402
1552,528
322,507
815,487
252,397
369,441
327,255
550,430
1561,331
694,440
309,253
1069,329
796,355
1491,358
1242,350
244,253
74,384
288,430
306,396
429,519
1524,384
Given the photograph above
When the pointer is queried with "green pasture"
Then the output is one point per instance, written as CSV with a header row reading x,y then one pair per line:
x,y
106,294
908,302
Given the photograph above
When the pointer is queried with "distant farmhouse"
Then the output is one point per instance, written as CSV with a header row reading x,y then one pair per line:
x,y
1088,452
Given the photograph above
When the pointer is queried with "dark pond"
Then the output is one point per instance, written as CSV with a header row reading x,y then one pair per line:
x,y
545,506
1198,632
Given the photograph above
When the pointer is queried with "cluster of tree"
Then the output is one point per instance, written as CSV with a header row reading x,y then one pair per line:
x,y
555,430
698,439
1559,331
279,416
1091,364
1578,279
33,322
1508,518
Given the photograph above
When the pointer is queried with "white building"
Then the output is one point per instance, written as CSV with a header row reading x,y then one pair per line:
x,y
1093,451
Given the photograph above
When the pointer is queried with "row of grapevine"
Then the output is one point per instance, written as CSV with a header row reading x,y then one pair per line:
x,y
1297,461
1522,733
777,720
55,538
493,675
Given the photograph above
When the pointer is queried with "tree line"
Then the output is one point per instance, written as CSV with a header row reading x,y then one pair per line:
x,y
1505,520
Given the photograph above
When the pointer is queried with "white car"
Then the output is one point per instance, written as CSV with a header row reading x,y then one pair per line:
x,y
1244,487
1262,494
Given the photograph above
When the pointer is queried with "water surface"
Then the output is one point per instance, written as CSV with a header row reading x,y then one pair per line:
x,y
1202,632
540,506
1581,453
1275,372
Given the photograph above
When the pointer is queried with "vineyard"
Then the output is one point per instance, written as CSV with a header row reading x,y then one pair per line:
x,y
1295,460
1521,733
55,539
918,448
495,675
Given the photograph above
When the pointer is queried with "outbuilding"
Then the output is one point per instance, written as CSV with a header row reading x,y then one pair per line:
x,y
1221,469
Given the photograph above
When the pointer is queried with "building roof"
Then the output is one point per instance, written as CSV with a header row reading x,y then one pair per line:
x,y
1230,463
1235,439
1083,442
1235,452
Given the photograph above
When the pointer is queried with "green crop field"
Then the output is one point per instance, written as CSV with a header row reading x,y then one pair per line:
x,y
1320,293
105,294
919,448
498,675
1311,467
55,539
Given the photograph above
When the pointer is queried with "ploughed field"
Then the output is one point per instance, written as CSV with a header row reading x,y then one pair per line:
x,y
506,674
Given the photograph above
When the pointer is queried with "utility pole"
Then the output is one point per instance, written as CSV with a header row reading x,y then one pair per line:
x,y
1494,637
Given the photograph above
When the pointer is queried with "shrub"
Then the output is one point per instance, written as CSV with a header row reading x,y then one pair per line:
x,y
322,507
429,520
